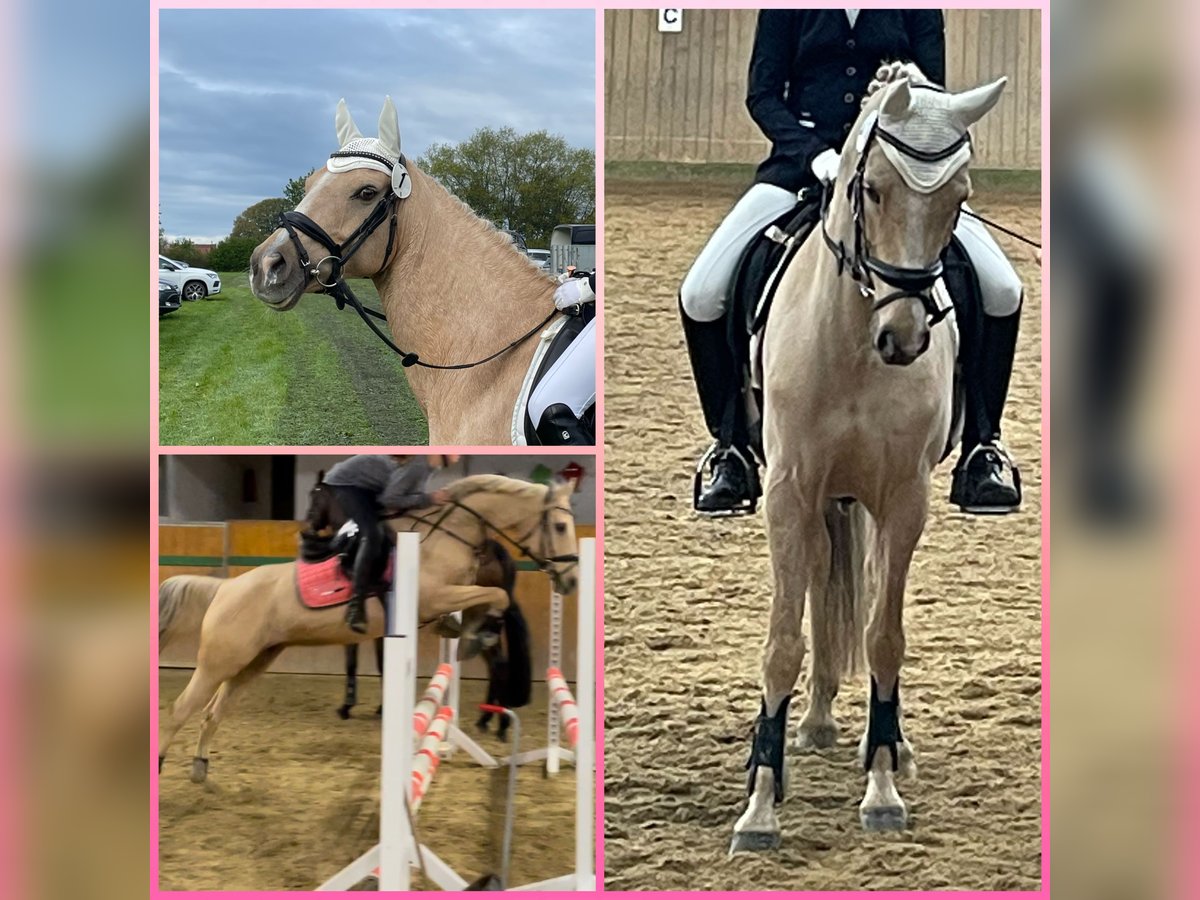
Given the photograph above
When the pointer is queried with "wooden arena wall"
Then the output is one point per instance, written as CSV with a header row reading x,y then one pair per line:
x,y
682,97
227,549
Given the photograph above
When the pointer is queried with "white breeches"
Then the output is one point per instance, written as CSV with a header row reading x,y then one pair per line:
x,y
998,281
571,380
705,289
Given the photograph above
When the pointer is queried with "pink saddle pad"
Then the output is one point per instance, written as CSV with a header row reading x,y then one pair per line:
x,y
322,584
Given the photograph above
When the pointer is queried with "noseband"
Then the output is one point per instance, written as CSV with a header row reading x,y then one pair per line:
x,y
862,265
339,254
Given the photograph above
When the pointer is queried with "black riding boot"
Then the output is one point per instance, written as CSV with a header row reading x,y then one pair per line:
x,y
356,614
986,480
733,487
559,426
356,609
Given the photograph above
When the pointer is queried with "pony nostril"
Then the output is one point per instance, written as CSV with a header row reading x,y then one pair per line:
x,y
274,265
886,343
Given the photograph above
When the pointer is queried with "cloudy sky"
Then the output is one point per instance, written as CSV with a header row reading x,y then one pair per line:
x,y
247,97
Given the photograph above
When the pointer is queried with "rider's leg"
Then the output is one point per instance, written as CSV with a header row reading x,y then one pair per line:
x,y
557,405
704,301
359,504
986,478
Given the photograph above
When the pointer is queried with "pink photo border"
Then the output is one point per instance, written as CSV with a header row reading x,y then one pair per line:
x,y
158,5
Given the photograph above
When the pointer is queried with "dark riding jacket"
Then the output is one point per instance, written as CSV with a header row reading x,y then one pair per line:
x,y
396,487
810,70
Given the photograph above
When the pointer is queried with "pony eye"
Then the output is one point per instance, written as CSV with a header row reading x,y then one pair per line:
x,y
560,527
366,193
872,194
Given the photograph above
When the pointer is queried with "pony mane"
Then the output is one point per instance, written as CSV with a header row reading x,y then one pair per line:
x,y
488,230
495,484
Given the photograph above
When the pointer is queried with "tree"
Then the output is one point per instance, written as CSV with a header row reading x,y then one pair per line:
x,y
259,220
534,180
293,191
232,254
182,249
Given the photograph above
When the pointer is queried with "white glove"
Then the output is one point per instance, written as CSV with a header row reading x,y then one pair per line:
x,y
572,293
826,164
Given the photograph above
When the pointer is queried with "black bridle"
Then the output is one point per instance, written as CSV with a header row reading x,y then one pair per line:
x,y
339,254
864,266
489,528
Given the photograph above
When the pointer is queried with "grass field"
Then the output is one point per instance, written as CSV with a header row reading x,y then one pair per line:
x,y
233,371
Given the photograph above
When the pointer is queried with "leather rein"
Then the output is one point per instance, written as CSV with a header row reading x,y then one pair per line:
x,y
544,563
339,254
859,261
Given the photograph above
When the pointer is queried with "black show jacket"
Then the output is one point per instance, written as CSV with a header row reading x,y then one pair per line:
x,y
810,66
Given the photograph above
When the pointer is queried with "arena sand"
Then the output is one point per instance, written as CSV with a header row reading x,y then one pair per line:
x,y
293,794
686,612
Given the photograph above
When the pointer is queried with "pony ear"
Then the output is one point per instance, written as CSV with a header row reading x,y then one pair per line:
x,y
898,100
971,106
347,131
320,476
389,128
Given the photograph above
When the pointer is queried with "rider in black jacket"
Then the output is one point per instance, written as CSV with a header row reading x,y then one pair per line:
x,y
809,71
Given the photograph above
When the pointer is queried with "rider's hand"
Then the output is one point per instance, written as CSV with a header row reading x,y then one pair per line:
x,y
440,497
826,165
573,293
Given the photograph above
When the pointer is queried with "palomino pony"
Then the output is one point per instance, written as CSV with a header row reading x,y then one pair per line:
x,y
254,616
460,300
857,396
509,674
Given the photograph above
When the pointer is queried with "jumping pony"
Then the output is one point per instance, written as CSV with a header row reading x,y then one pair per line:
x,y
254,616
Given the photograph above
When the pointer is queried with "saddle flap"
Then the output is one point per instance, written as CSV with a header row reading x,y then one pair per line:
x,y
763,263
570,330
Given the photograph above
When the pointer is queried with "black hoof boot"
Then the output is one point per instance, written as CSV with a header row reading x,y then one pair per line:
x,y
986,482
344,712
758,827
732,488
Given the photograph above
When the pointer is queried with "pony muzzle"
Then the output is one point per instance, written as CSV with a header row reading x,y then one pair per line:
x,y
901,332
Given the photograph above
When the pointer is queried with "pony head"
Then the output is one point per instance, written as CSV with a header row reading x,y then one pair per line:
x,y
363,173
906,161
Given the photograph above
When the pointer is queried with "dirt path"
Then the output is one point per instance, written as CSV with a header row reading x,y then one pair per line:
x,y
686,610
293,795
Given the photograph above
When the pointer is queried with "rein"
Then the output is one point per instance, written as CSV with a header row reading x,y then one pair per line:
x,y
339,254
544,563
1013,234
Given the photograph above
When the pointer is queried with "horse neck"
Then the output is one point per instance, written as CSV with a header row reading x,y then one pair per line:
x,y
843,315
456,293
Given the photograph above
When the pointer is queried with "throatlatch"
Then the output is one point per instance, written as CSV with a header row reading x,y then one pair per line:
x,y
883,726
767,750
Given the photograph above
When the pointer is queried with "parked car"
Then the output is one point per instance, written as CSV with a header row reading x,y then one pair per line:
x,y
541,257
168,298
193,283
